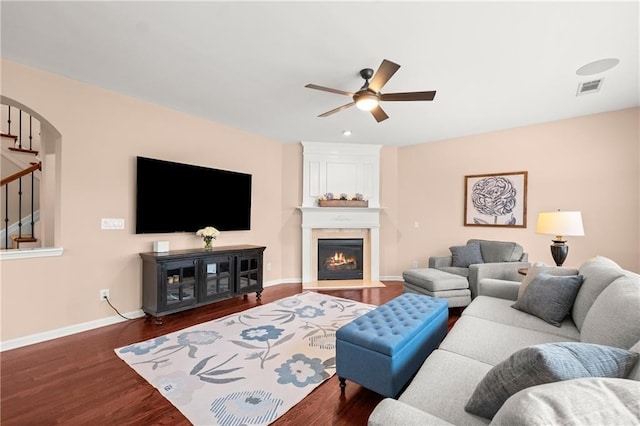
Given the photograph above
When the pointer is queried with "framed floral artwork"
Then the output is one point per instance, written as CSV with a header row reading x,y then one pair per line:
x,y
498,199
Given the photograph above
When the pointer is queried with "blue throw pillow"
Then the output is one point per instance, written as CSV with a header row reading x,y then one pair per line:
x,y
547,363
463,256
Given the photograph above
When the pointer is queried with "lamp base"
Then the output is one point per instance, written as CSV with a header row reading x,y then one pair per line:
x,y
559,251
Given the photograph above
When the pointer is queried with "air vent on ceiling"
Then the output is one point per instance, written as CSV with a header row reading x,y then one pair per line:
x,y
589,86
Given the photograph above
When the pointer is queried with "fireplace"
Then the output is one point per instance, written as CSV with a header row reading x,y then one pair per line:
x,y
340,168
340,258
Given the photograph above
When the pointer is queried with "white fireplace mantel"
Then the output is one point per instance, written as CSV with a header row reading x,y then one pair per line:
x,y
340,168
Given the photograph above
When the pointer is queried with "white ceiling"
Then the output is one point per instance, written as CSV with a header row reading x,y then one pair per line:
x,y
495,65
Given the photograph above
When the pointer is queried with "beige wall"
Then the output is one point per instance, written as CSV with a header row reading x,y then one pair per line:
x,y
589,164
102,133
389,201
291,235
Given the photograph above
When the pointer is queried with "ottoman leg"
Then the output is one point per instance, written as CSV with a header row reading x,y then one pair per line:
x,y
343,383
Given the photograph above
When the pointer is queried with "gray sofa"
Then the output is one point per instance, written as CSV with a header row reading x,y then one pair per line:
x,y
497,260
605,311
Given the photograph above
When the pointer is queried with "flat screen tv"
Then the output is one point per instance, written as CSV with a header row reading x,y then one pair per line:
x,y
177,197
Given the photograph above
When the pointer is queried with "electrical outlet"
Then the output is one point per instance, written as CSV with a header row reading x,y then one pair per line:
x,y
269,266
104,294
415,264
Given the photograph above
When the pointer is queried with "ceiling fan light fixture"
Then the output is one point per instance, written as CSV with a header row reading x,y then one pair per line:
x,y
368,98
366,101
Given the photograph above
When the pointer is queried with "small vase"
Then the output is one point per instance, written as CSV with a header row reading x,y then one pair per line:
x,y
207,244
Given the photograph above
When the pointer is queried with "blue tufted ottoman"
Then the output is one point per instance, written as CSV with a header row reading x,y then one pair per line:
x,y
384,348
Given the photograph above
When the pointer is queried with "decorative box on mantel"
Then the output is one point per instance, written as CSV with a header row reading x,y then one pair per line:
x,y
343,203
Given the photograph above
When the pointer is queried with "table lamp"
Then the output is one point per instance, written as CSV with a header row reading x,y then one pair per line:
x,y
560,224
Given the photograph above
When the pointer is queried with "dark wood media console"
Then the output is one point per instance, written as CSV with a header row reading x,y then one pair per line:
x,y
184,279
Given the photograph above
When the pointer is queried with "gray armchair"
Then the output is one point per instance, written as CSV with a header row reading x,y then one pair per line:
x,y
498,260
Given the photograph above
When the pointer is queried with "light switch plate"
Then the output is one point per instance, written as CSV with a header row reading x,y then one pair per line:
x,y
112,223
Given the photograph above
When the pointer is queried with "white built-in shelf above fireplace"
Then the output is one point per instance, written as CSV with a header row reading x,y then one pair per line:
x,y
340,168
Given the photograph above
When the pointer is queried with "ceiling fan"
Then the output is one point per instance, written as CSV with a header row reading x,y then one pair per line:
x,y
368,98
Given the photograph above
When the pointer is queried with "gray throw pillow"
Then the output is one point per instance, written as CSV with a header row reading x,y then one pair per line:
x,y
541,268
463,256
546,363
549,297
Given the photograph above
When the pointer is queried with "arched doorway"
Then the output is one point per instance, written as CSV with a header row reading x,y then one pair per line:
x,y
47,144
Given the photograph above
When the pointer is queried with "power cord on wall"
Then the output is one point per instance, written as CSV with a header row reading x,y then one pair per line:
x,y
114,308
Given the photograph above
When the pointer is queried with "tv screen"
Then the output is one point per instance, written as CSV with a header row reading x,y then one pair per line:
x,y
176,197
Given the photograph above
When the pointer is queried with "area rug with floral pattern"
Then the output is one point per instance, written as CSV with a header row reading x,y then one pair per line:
x,y
247,368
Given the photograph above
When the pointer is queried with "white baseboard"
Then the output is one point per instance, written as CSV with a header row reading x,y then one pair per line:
x,y
391,278
299,280
65,331
282,281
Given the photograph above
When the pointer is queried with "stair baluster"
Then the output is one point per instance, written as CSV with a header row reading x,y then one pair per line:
x,y
32,178
20,130
20,207
30,133
6,217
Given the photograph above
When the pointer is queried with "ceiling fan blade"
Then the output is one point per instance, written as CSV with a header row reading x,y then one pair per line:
x,y
379,114
408,96
386,70
340,108
328,89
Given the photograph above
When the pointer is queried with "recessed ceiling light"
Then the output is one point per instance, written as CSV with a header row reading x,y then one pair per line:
x,y
346,132
596,67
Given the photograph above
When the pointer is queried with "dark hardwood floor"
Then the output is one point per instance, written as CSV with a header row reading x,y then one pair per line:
x,y
78,379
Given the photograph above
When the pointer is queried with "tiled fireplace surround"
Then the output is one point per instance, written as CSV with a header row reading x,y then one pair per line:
x,y
340,168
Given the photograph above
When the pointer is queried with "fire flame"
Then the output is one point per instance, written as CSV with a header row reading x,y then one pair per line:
x,y
339,260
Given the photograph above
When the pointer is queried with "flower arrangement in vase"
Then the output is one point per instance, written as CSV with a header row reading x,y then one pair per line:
x,y
208,234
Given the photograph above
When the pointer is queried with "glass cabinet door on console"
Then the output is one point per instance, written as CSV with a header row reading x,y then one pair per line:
x,y
216,281
180,284
249,273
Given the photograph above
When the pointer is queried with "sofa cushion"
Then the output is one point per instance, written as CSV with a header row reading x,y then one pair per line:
x,y
598,273
443,385
492,342
589,401
540,268
393,412
499,310
549,297
463,256
547,363
499,251
614,318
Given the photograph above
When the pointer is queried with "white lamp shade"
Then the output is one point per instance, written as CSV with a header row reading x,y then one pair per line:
x,y
560,223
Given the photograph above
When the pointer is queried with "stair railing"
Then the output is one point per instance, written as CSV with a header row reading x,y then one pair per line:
x,y
4,183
